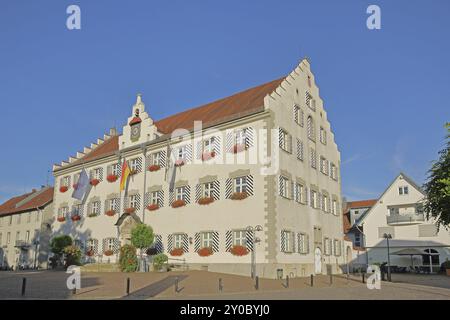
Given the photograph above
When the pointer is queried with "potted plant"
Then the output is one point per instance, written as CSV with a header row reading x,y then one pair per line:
x,y
179,163
61,219
178,203
130,210
110,213
158,262
63,189
108,253
94,182
154,167
238,148
176,252
205,200
239,196
208,155
112,178
238,250
205,252
153,207
75,217
92,214
90,253
446,266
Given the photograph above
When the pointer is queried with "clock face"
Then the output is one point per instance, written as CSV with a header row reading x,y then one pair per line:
x,y
135,131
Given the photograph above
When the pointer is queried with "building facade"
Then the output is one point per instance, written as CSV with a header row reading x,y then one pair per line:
x,y
414,240
25,229
248,180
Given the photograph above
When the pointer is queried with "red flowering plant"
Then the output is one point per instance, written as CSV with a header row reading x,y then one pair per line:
x,y
178,203
90,253
94,182
177,252
239,195
208,155
75,217
154,167
205,252
179,163
238,250
61,219
110,213
130,210
108,253
205,200
153,207
239,147
63,189
112,178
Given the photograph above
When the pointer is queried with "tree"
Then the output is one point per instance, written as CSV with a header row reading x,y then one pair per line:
x,y
437,187
127,259
142,237
159,260
73,255
58,244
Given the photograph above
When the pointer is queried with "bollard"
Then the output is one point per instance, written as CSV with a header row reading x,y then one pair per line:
x,y
363,277
128,286
331,278
287,281
257,283
220,285
176,285
24,285
74,290
312,280
348,277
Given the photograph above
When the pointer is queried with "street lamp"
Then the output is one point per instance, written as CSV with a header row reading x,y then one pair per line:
x,y
253,253
388,236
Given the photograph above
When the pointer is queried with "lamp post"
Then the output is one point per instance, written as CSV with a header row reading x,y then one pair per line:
x,y
253,253
388,236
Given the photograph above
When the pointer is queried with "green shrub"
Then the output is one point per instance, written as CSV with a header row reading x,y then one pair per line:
x,y
446,264
159,260
127,260
58,243
142,236
73,255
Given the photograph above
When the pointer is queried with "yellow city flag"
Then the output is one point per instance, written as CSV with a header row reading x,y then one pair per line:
x,y
125,173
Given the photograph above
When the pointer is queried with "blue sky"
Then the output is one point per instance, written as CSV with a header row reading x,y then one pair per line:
x,y
386,91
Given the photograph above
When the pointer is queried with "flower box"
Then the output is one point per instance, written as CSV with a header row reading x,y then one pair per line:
x,y
108,253
92,214
153,207
178,203
239,148
63,189
112,178
154,167
205,252
130,210
75,186
179,163
110,213
90,253
239,250
205,200
75,217
177,252
239,196
208,155
61,219
94,182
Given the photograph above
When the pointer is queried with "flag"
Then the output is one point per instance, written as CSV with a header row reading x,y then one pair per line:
x,y
83,186
125,173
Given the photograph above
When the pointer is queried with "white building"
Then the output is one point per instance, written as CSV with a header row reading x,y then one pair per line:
x,y
222,185
25,229
415,241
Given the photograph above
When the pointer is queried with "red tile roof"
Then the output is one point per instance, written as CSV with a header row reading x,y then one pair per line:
x,y
236,106
42,198
360,204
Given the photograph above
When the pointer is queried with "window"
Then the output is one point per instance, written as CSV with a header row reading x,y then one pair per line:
x,y
287,238
65,181
403,190
327,244
181,153
19,218
357,240
77,209
29,217
154,198
27,236
91,245
337,247
135,164
285,140
313,158
17,235
206,239
240,184
76,177
97,173
325,205
239,137
63,211
10,220
156,158
115,169
303,245
333,171
300,151
178,241
334,208
298,115
324,165
113,204
208,145
310,128
323,136
134,201
180,193
95,207
110,244
208,190
309,101
314,198
8,238
284,187
38,214
239,238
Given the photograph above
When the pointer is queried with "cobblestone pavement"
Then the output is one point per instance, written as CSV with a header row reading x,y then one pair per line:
x,y
205,285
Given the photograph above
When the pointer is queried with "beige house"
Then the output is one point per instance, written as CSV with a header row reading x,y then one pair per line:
x,y
248,180
398,213
25,229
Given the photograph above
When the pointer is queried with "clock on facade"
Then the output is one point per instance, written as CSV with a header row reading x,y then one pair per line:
x,y
135,125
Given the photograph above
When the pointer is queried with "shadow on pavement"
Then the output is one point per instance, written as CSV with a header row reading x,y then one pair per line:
x,y
155,288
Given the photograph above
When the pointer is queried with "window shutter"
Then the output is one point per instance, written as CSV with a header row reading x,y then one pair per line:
x,y
158,245
199,150
280,138
169,242
250,185
189,153
187,194
215,242
197,242
185,242
249,137
281,186
171,197
228,240
249,240
198,193
228,188
162,158
216,190
283,241
161,198
229,143
217,145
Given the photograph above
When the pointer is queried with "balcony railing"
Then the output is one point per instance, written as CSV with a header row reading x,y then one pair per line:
x,y
22,243
409,218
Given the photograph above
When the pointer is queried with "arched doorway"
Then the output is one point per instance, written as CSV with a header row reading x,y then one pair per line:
x,y
125,228
431,259
318,261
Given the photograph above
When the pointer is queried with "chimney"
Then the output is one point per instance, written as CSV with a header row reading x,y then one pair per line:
x,y
113,132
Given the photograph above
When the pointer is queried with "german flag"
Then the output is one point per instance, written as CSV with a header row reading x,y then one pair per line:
x,y
125,173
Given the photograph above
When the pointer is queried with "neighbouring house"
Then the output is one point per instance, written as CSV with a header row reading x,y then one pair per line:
x,y
213,201
396,216
25,229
